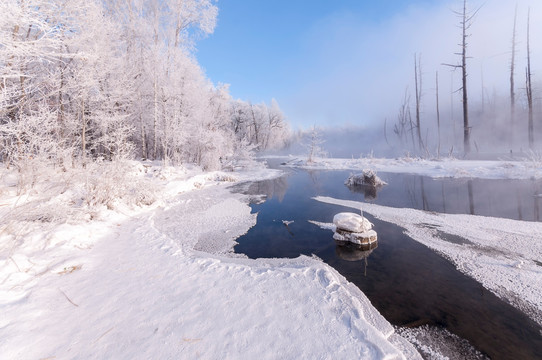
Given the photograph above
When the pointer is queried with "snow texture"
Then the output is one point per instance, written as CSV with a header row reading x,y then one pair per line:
x,y
502,254
140,282
445,167
352,222
439,344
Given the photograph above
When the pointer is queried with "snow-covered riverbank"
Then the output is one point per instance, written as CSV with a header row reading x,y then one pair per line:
x,y
444,167
502,254
133,282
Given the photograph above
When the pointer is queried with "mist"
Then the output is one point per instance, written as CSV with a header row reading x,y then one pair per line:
x,y
363,71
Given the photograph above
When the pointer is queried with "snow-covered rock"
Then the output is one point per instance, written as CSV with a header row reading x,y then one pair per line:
x,y
362,238
354,228
352,222
367,177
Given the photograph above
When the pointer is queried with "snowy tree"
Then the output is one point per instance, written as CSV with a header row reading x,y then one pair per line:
x,y
112,79
314,145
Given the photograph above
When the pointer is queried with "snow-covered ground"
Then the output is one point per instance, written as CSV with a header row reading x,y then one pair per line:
x,y
444,167
151,275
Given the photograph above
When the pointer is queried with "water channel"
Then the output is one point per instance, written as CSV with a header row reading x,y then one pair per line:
x,y
407,282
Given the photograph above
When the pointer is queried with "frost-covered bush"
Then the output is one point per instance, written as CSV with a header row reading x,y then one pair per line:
x,y
368,178
534,159
111,182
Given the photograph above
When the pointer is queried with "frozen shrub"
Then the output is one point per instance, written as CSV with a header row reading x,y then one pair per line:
x,y
110,182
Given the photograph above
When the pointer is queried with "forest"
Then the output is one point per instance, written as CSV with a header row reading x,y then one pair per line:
x,y
88,80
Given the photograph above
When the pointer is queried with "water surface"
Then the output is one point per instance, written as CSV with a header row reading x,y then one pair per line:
x,y
407,282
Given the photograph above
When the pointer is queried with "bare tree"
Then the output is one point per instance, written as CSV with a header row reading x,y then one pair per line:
x,y
512,69
465,24
418,88
438,115
314,145
529,87
404,121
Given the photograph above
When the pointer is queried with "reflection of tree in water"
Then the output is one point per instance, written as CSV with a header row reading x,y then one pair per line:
x,y
537,194
369,192
315,180
270,188
425,205
355,252
471,197
410,186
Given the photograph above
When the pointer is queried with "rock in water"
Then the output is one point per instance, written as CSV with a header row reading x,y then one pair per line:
x,y
351,222
366,178
353,228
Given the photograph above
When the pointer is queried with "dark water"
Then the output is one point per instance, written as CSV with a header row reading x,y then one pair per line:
x,y
407,282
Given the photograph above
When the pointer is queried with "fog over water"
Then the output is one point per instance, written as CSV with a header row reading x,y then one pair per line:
x,y
366,73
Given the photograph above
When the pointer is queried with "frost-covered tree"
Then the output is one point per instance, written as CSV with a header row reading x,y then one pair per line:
x,y
314,145
113,79
260,125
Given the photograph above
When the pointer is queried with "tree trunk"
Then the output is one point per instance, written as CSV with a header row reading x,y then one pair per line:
x,y
83,133
155,123
418,83
512,69
529,89
438,117
466,127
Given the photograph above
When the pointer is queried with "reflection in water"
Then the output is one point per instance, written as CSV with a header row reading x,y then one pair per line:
x,y
369,192
315,180
513,199
425,206
471,197
355,252
270,188
537,195
443,197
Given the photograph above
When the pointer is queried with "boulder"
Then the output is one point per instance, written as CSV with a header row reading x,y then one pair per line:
x,y
360,238
351,222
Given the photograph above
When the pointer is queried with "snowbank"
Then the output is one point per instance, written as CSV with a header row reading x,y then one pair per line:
x,y
445,167
134,284
502,254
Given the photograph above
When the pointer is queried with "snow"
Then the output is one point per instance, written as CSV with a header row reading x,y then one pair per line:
x,y
367,177
151,273
502,254
353,228
437,168
439,344
139,281
351,222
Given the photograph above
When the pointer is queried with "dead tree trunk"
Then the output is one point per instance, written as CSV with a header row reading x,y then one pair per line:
x,y
465,23
466,128
512,69
529,88
438,116
418,84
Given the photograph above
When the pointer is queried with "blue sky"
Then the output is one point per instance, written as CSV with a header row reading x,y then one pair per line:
x,y
330,62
